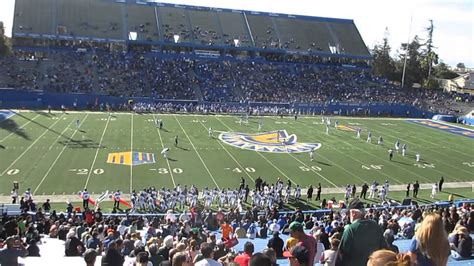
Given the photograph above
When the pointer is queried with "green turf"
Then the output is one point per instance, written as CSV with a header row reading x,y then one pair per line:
x,y
50,155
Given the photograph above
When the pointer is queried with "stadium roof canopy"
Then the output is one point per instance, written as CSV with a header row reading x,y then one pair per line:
x,y
169,24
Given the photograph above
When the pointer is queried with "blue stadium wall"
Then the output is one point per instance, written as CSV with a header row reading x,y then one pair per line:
x,y
17,99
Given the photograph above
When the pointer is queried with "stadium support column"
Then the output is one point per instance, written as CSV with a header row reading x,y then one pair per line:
x,y
249,30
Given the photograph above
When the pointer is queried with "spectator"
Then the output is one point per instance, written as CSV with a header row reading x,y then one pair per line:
x,y
298,256
166,247
33,249
180,259
296,231
361,237
276,243
260,259
388,258
207,251
243,259
14,249
389,238
112,255
142,259
270,252
73,246
430,245
90,256
226,231
319,246
462,246
262,233
329,256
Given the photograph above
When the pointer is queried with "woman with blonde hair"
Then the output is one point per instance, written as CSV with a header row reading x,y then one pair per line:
x,y
430,245
387,257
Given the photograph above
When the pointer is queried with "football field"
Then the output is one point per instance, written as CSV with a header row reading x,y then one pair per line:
x,y
53,155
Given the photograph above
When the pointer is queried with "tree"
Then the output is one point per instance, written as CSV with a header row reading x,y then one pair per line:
x,y
4,45
429,57
460,66
442,71
383,64
413,69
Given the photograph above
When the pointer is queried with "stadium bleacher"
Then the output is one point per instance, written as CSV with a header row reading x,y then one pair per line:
x,y
196,54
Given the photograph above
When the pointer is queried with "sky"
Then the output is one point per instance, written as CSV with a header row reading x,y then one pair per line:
x,y
453,19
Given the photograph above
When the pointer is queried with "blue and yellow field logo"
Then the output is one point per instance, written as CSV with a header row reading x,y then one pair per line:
x,y
131,158
273,141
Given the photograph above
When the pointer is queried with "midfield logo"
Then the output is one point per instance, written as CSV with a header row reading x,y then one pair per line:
x,y
273,141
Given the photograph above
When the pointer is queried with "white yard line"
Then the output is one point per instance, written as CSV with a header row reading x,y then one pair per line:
x,y
335,164
439,132
29,147
97,152
24,125
316,172
163,146
57,158
265,158
432,150
373,155
195,150
131,155
231,156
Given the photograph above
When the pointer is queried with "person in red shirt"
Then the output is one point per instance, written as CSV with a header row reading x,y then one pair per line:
x,y
226,230
307,241
243,259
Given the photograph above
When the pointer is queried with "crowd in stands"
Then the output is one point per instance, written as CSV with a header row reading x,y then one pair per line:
x,y
193,236
142,75
356,234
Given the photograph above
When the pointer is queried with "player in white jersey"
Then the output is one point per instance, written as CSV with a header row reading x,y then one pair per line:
x,y
259,125
78,123
221,199
311,155
380,141
327,130
207,201
397,145
404,149
298,192
181,200
373,189
27,195
194,199
85,199
348,192
322,119
165,152
358,132
434,188
386,185
288,194
418,157
241,120
369,137
209,132
151,203
383,193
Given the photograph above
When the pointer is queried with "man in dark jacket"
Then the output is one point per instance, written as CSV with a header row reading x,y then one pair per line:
x,y
462,248
277,244
113,256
